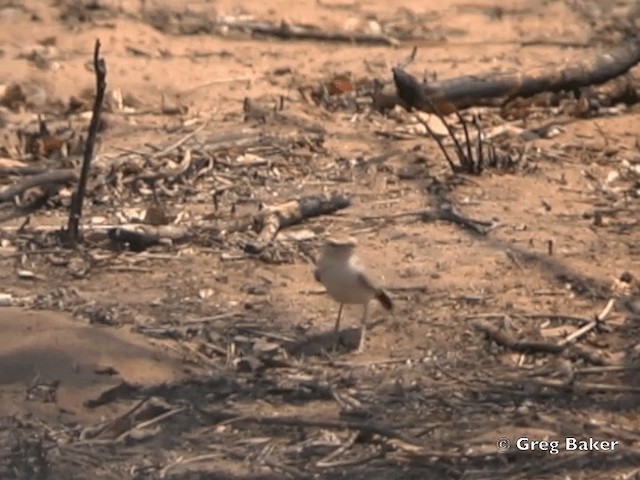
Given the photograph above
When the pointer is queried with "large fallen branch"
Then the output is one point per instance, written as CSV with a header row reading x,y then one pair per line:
x,y
454,94
42,179
270,220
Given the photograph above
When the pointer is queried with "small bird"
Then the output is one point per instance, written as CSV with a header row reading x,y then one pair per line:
x,y
348,282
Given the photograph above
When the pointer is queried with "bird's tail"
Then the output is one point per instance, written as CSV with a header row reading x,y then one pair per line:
x,y
384,299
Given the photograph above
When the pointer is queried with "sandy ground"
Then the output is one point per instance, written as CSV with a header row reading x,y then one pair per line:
x,y
426,371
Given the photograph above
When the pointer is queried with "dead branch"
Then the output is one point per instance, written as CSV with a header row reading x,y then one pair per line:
x,y
179,142
272,219
584,387
147,424
504,339
141,237
123,389
181,462
288,31
21,170
24,210
117,423
75,211
448,96
480,227
368,428
447,214
165,173
328,460
589,326
47,178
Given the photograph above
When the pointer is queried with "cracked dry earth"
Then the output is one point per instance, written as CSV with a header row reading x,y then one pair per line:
x,y
204,331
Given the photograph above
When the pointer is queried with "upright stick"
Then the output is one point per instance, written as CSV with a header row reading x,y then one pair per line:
x,y
75,211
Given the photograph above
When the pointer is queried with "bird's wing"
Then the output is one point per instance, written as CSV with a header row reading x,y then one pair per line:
x,y
380,294
368,282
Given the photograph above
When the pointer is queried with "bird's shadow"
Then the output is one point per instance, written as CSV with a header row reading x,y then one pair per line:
x,y
323,343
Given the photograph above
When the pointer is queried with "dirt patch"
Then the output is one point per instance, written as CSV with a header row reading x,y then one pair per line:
x,y
197,359
45,347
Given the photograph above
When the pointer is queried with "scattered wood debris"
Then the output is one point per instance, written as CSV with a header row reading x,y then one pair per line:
x,y
255,384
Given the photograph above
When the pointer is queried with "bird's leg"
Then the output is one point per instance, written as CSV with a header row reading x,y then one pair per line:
x,y
336,329
363,328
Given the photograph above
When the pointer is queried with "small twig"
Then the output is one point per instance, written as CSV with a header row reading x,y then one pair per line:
x,y
326,462
26,253
182,347
466,137
409,60
75,211
121,418
476,226
440,143
218,81
269,335
289,31
212,318
351,462
453,377
123,436
294,473
476,124
179,142
446,214
186,461
452,134
589,326
512,256
164,173
605,369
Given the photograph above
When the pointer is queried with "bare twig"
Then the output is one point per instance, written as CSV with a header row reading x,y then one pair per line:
x,y
186,461
124,435
179,142
589,326
117,422
445,214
